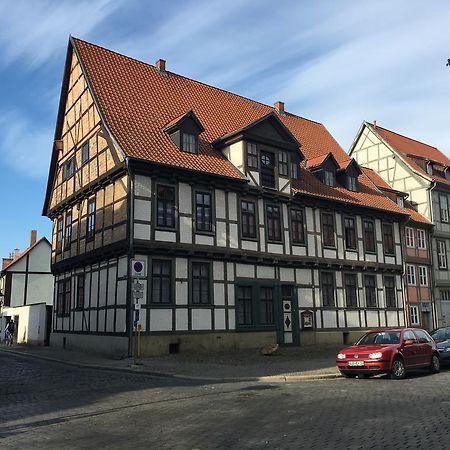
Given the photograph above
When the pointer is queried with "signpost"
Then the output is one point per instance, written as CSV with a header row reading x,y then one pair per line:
x,y
138,271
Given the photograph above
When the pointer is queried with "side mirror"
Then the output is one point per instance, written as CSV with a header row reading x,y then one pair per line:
x,y
409,342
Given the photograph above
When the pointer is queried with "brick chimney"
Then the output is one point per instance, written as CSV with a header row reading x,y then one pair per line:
x,y
5,262
279,107
161,65
374,123
33,236
16,253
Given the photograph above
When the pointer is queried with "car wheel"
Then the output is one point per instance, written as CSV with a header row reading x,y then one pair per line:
x,y
435,366
398,371
348,375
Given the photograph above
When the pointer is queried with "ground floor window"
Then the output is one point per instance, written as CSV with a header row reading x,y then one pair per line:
x,y
414,315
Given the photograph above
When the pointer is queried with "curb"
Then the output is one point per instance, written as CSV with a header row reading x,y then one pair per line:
x,y
143,371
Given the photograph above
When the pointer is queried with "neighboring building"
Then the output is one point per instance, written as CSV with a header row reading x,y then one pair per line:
x,y
416,238
26,289
423,172
254,225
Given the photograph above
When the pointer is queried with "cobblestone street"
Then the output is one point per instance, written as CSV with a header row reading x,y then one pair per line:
x,y
53,406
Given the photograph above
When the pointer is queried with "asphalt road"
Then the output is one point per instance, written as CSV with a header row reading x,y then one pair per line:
x,y
52,406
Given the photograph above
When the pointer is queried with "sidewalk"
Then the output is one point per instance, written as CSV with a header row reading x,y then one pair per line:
x,y
289,364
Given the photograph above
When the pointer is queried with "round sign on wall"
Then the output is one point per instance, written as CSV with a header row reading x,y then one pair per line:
x,y
137,268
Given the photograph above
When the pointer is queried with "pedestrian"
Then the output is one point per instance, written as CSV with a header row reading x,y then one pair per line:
x,y
9,332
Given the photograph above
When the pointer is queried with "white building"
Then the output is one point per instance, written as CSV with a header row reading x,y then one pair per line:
x,y
26,289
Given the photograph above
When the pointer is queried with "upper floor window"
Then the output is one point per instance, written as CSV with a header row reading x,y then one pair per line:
x,y
59,233
161,281
423,276
411,274
297,226
370,289
267,169
165,205
445,294
400,201
389,290
328,229
329,178
190,143
248,219
80,291
68,168
409,237
421,239
351,296
388,239
252,156
283,163
350,233
327,282
201,283
443,206
442,254
294,171
203,211
273,223
90,224
85,153
369,236
68,231
352,183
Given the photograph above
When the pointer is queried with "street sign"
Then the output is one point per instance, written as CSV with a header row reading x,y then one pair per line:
x,y
138,268
138,287
138,294
137,306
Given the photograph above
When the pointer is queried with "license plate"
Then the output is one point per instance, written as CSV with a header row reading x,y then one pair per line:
x,y
356,363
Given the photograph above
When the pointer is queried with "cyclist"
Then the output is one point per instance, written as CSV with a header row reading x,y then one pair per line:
x,y
9,332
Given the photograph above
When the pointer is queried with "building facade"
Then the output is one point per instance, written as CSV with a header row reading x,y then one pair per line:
x,y
422,171
253,225
26,288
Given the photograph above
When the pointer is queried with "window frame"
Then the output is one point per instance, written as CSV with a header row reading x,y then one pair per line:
x,y
245,215
207,230
411,275
277,237
294,228
85,153
373,235
421,239
80,294
70,163
68,230
388,239
423,276
409,237
355,234
326,226
374,287
444,214
394,295
262,166
352,183
442,255
59,234
330,289
247,302
209,280
329,178
90,219
161,277
63,299
249,156
165,202
185,142
283,162
416,314
354,287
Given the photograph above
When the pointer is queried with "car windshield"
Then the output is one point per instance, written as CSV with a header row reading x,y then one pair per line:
x,y
380,337
441,334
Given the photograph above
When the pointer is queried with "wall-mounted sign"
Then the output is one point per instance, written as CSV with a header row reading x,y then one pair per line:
x,y
307,318
426,306
138,268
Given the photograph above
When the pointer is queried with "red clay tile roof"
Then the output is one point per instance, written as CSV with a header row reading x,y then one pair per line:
x,y
317,161
415,216
25,252
411,150
137,102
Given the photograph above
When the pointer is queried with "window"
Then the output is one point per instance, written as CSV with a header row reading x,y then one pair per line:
x,y
388,239
68,169
244,305
423,276
370,289
389,289
351,296
90,224
328,229
421,239
294,171
443,206
421,335
283,163
60,299
408,335
327,279
442,254
350,233
266,316
445,294
68,233
273,223
369,236
63,298
248,219
59,233
203,211
80,291
161,281
328,178
352,183
400,201
165,205
411,274
189,143
267,170
201,287
414,315
85,153
297,226
252,156
409,237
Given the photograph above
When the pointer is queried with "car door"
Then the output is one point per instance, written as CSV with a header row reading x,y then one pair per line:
x,y
425,348
410,352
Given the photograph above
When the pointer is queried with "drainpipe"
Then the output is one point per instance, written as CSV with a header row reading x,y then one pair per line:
x,y
433,296
130,208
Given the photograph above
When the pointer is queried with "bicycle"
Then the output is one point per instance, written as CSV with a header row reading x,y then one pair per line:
x,y
8,338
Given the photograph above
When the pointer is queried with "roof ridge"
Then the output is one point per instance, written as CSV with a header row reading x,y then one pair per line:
x,y
25,252
287,113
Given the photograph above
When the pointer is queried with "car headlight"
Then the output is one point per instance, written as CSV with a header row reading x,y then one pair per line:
x,y
341,356
447,349
376,355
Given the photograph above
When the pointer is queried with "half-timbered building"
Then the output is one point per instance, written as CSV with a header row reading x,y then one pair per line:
x,y
254,225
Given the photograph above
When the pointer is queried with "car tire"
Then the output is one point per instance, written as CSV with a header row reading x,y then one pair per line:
x,y
398,371
348,374
435,366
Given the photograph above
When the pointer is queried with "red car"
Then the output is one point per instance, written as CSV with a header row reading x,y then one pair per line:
x,y
392,351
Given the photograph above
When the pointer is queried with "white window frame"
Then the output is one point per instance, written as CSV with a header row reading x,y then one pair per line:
x,y
443,208
421,239
400,201
445,294
352,184
411,275
414,315
409,237
442,254
423,275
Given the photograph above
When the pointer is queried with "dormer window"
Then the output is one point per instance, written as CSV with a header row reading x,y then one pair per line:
x,y
352,183
329,178
252,156
400,201
294,171
267,169
190,143
283,164
430,169
184,132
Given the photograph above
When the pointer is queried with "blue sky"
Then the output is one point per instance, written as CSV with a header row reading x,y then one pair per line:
x,y
335,62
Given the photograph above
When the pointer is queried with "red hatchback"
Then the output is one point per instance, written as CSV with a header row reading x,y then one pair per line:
x,y
392,351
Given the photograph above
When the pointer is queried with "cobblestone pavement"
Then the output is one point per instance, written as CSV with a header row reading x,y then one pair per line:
x,y
52,406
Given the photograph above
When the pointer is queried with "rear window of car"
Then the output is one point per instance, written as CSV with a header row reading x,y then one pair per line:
x,y
380,337
441,334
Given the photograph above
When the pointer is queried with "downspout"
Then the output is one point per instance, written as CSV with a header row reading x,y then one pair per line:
x,y
130,212
433,297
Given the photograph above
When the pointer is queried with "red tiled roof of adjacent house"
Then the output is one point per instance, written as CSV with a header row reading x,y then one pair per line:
x,y
317,161
415,216
24,253
412,150
137,101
